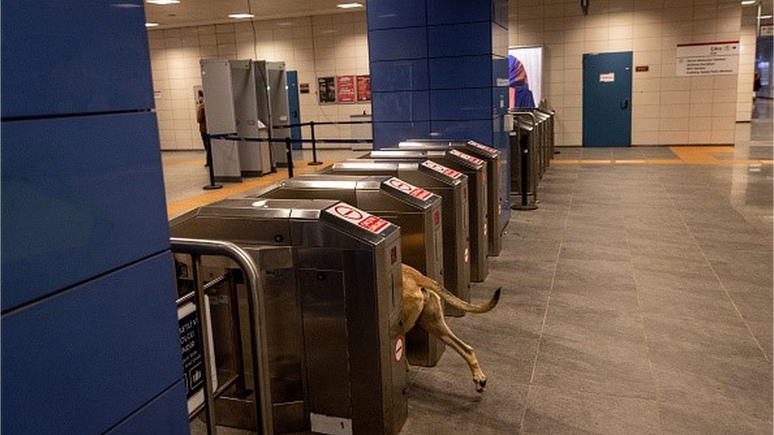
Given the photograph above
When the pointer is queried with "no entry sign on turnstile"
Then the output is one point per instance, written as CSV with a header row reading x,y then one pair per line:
x,y
441,169
468,157
358,217
410,189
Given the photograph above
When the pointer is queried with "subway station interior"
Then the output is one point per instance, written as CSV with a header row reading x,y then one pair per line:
x,y
392,217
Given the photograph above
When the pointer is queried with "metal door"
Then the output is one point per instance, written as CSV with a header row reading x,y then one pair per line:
x,y
607,96
295,108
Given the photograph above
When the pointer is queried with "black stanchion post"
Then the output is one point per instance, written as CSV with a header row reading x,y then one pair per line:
x,y
289,151
212,185
314,161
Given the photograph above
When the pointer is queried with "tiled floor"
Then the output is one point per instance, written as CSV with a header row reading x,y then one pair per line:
x,y
637,299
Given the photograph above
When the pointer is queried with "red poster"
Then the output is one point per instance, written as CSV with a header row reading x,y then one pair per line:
x,y
364,88
345,89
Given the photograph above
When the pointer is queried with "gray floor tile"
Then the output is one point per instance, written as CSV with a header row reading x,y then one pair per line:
x,y
709,418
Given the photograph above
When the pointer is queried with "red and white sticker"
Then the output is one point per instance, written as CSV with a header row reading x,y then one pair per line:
x,y
441,169
468,157
410,189
358,217
399,349
482,147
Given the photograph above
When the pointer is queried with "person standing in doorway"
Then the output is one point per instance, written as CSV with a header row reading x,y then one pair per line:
x,y
202,120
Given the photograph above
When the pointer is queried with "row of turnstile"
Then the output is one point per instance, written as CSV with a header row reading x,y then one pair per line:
x,y
532,148
328,249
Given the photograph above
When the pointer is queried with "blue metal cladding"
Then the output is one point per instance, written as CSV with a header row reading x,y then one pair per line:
x,y
461,72
458,11
400,106
161,416
395,14
59,60
82,360
478,130
389,134
460,39
397,44
399,75
461,104
81,196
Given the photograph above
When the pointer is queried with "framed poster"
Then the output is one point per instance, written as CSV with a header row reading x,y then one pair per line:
x,y
326,89
364,88
525,76
345,89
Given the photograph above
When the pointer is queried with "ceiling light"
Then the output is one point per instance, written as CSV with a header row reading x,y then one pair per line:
x,y
241,16
163,2
748,2
151,24
349,5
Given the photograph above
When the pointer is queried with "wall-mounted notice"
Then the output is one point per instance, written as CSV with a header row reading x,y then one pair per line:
x,y
345,89
607,78
303,88
708,58
364,88
326,89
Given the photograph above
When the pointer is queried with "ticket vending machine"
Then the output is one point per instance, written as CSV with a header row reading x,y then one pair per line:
x,y
498,219
452,187
475,169
331,279
415,210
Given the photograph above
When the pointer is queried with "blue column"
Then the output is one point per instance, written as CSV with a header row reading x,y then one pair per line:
x,y
439,69
90,342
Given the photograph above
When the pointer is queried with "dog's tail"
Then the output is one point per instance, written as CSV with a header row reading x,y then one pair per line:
x,y
458,303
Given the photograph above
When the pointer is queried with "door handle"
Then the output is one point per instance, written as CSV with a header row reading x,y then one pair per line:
x,y
625,104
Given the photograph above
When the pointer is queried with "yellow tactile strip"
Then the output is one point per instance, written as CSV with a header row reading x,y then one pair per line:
x,y
686,155
177,208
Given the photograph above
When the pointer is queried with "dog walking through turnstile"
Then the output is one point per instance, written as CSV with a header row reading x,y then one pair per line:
x,y
331,277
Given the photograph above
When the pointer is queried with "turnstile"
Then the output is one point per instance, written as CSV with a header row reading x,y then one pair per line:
x,y
478,208
331,279
497,220
415,210
451,185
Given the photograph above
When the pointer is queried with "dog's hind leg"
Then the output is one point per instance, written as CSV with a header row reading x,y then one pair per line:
x,y
432,321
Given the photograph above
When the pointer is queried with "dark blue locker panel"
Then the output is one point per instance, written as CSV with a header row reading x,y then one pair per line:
x,y
460,39
403,106
395,14
397,44
50,68
86,358
166,414
461,104
399,75
500,71
478,130
458,11
499,101
389,134
81,196
461,72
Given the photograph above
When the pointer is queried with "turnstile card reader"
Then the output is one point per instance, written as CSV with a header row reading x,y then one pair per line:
x,y
331,279
452,186
415,210
475,169
498,219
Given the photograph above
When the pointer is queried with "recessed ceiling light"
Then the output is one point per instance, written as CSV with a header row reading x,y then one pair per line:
x,y
241,16
151,24
748,2
163,2
349,5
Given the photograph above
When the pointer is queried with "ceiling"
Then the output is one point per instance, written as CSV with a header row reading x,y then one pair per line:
x,y
197,12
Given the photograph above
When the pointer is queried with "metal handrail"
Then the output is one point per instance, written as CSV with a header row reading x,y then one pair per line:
x,y
256,306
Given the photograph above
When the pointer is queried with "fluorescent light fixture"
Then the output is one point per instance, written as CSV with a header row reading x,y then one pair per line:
x,y
163,2
151,24
748,2
241,16
349,5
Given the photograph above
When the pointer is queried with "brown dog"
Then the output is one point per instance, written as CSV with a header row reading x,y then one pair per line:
x,y
422,305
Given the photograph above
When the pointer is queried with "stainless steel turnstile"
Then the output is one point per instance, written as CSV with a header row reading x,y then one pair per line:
x,y
332,287
415,210
450,185
475,169
495,200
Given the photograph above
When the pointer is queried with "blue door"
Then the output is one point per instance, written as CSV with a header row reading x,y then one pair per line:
x,y
294,108
607,96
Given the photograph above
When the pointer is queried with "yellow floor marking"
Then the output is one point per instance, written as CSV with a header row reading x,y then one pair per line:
x,y
176,208
686,155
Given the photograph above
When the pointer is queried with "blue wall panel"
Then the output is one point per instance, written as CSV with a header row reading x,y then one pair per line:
x,y
82,360
460,39
161,416
81,196
391,14
389,134
399,75
478,130
397,44
403,106
457,11
461,72
50,68
461,104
